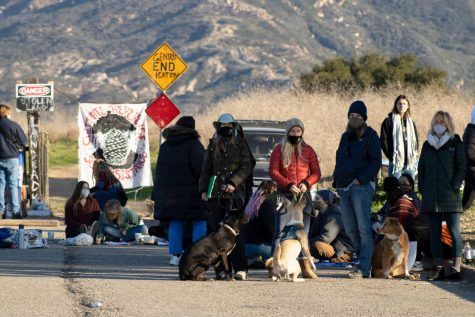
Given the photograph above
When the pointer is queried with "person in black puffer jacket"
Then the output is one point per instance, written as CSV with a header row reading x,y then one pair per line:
x,y
441,168
175,193
469,143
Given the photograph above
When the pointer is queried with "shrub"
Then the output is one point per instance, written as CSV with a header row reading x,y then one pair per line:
x,y
372,70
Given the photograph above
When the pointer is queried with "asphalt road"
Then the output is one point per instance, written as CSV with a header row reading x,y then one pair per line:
x,y
136,280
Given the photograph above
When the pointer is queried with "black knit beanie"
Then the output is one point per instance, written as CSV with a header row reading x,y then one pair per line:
x,y
186,122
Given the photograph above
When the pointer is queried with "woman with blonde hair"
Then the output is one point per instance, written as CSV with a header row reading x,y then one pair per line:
x,y
294,167
107,185
399,140
442,166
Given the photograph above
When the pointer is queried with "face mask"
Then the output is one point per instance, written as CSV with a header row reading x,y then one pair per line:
x,y
225,131
293,139
355,123
439,129
85,192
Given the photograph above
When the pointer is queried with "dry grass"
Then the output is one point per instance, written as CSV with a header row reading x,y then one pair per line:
x,y
324,114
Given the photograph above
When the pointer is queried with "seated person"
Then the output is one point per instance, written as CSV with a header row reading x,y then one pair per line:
x,y
107,185
327,238
258,232
406,184
398,204
119,223
81,212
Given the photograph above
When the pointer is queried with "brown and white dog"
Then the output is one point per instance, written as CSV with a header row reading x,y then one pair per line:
x,y
391,253
284,262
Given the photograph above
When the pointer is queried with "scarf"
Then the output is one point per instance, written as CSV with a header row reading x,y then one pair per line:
x,y
399,154
437,142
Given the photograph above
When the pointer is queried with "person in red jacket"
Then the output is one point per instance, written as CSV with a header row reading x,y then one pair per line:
x,y
81,212
294,167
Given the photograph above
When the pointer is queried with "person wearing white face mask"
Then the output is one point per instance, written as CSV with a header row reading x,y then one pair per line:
x,y
399,140
442,166
81,212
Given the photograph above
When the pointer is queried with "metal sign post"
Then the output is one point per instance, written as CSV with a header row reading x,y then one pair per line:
x,y
33,97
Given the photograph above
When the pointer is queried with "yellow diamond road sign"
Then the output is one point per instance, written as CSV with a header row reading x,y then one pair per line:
x,y
164,66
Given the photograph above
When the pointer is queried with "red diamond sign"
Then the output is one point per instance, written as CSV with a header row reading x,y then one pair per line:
x,y
162,111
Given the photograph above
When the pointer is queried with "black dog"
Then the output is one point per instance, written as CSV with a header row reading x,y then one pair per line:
x,y
211,250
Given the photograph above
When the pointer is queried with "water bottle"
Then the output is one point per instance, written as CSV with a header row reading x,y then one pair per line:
x,y
21,237
467,252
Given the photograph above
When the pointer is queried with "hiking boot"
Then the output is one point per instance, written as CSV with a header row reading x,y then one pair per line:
x,y
357,274
240,276
453,274
437,274
306,267
175,260
17,216
93,229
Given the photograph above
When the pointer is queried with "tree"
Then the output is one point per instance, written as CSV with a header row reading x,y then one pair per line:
x,y
372,70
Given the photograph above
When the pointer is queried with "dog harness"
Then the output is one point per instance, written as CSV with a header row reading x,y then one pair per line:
x,y
288,232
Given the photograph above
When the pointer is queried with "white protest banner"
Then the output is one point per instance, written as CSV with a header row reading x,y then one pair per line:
x,y
117,133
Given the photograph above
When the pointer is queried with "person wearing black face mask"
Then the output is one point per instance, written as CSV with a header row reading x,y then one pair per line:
x,y
294,167
358,159
227,166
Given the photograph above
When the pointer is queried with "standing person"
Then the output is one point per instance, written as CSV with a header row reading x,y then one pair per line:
x,y
226,167
81,212
175,193
107,185
358,159
442,167
12,140
399,139
469,143
294,167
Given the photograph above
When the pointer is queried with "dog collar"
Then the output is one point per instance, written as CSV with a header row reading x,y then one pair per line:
x,y
230,229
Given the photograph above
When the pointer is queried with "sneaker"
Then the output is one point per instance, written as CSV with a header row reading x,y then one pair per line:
x,y
417,267
357,274
83,228
17,216
175,260
240,276
93,229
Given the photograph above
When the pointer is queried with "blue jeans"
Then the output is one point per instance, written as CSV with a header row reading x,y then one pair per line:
x,y
9,178
253,250
129,233
175,234
397,173
453,226
356,217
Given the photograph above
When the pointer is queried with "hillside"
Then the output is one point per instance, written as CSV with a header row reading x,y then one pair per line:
x,y
93,49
